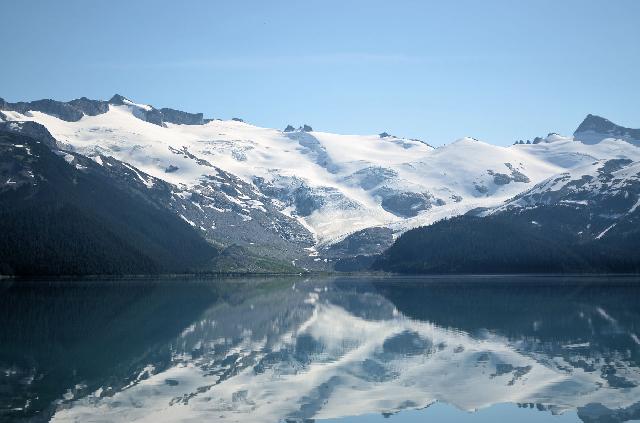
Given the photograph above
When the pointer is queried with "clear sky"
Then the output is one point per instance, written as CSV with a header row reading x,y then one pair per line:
x,y
435,70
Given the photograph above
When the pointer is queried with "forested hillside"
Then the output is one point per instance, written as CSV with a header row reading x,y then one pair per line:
x,y
541,240
62,214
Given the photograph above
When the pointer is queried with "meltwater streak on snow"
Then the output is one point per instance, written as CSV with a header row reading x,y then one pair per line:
x,y
360,181
448,366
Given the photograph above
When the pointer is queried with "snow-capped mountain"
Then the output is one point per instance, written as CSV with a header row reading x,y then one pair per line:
x,y
294,194
63,213
585,219
595,129
610,189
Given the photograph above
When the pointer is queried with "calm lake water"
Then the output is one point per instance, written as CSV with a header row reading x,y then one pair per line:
x,y
335,349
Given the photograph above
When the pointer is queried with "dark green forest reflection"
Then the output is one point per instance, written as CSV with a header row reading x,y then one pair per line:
x,y
295,349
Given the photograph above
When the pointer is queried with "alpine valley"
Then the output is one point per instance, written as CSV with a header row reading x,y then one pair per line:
x,y
119,187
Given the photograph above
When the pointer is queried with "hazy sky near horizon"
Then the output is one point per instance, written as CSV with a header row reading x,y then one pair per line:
x,y
498,70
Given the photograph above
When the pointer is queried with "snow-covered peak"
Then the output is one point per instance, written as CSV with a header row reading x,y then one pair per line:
x,y
554,137
595,123
119,100
466,140
595,129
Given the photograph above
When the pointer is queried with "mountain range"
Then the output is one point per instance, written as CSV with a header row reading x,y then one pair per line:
x,y
102,187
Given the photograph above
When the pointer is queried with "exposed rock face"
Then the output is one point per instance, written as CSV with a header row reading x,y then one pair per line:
x,y
90,107
383,135
235,119
181,118
146,113
595,128
306,201
482,189
64,111
504,179
303,128
405,204
73,110
500,178
154,116
160,116
117,100
30,129
518,176
610,189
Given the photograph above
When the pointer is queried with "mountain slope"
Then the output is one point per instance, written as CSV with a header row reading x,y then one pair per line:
x,y
532,241
61,213
595,128
586,220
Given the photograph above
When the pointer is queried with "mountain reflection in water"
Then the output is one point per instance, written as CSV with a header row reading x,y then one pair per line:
x,y
292,349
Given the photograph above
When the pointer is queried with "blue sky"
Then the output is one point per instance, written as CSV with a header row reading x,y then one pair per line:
x,y
435,70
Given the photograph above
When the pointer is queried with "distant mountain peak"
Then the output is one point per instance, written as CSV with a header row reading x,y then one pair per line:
x,y
118,100
595,123
594,129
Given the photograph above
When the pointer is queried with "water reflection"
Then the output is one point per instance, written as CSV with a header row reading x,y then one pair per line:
x,y
297,349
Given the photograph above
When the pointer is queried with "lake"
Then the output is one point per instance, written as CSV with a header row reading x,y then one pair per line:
x,y
323,349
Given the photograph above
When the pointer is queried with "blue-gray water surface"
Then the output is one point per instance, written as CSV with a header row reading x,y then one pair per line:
x,y
332,349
